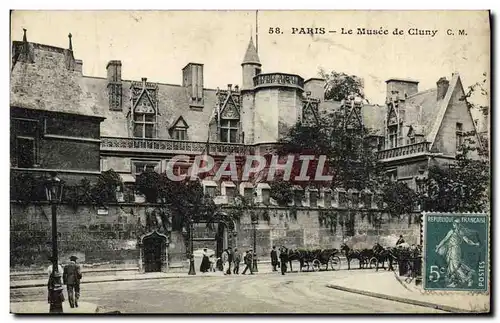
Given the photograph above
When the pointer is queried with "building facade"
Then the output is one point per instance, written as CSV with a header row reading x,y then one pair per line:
x,y
79,126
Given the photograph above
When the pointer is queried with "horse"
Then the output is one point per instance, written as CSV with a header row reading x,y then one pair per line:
x,y
295,254
382,255
350,254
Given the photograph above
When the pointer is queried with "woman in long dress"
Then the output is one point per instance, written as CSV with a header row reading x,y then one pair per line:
x,y
205,262
450,248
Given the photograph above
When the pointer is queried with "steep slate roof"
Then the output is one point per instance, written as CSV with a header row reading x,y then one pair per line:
x,y
173,102
49,85
251,55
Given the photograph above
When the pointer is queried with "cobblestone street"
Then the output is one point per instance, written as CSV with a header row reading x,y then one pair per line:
x,y
293,293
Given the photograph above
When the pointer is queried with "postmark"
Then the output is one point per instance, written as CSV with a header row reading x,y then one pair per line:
x,y
456,252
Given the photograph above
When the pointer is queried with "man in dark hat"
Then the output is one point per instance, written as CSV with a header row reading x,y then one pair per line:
x,y
71,277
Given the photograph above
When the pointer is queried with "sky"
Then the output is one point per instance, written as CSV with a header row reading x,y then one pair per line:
x,y
158,44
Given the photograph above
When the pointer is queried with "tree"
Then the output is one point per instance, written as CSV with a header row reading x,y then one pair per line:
x,y
462,186
340,85
350,158
185,199
478,92
399,197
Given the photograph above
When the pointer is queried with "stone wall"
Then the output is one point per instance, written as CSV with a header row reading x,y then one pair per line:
x,y
111,236
305,230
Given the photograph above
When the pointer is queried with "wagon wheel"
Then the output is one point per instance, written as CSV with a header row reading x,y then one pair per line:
x,y
373,262
316,265
334,262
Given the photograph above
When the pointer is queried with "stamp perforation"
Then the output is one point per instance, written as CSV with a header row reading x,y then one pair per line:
x,y
424,231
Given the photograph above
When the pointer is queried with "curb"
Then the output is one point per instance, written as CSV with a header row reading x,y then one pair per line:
x,y
402,300
127,279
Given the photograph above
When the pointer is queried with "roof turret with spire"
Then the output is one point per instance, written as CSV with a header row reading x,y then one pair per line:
x,y
251,56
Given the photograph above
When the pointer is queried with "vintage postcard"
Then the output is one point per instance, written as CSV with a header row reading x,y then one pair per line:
x,y
268,162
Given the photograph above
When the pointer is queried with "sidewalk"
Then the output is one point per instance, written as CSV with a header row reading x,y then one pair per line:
x,y
43,308
386,285
14,284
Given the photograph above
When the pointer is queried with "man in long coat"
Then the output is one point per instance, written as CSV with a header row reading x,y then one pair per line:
x,y
284,259
236,261
71,277
274,258
248,262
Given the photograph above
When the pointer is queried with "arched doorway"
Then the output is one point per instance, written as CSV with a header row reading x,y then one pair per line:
x,y
154,252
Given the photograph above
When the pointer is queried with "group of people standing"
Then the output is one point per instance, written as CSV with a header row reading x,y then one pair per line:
x,y
230,260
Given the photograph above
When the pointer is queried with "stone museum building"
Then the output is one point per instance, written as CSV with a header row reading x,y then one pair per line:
x,y
79,126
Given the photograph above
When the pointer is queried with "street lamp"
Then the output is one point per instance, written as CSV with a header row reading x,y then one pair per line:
x,y
53,191
192,271
254,262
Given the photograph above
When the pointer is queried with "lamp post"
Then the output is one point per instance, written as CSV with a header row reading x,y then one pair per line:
x,y
192,271
254,262
53,191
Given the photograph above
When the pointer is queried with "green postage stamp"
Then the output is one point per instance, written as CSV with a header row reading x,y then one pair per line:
x,y
456,251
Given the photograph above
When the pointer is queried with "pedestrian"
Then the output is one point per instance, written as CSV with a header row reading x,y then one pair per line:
x,y
55,295
49,269
205,262
236,261
212,263
248,262
284,259
400,240
225,261
274,258
71,277
230,259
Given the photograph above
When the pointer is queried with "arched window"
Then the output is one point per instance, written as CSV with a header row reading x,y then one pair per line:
x,y
144,119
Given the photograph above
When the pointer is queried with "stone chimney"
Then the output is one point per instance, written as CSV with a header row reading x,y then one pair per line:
x,y
114,73
442,88
192,80
114,69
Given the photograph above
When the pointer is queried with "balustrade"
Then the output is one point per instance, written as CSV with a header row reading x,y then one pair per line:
x,y
420,147
122,143
278,79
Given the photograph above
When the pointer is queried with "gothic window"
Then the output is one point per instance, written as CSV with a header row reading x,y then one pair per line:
x,y
144,119
229,131
393,136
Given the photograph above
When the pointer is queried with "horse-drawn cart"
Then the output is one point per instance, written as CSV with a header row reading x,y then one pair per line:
x,y
317,258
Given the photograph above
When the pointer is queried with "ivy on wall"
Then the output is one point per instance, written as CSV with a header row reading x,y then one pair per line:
x,y
26,187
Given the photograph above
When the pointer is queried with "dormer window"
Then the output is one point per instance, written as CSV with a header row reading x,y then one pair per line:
x,y
179,129
179,134
144,118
